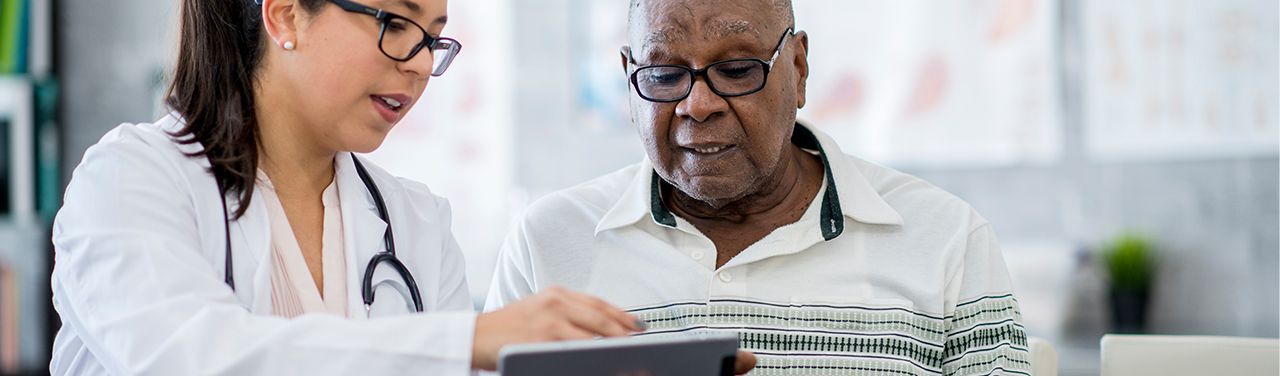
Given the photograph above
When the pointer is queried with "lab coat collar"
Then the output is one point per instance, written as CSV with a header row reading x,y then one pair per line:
x,y
171,124
848,192
363,229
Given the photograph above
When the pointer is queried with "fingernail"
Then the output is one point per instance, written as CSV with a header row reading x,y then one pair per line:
x,y
642,325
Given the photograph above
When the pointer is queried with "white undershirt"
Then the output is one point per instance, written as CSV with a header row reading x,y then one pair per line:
x,y
293,290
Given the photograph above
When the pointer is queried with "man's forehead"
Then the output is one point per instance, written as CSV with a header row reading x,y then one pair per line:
x,y
676,33
659,22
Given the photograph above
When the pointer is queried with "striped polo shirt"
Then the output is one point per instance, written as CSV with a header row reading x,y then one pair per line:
x,y
884,274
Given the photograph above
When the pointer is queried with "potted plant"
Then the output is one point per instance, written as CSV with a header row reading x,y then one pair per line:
x,y
1129,261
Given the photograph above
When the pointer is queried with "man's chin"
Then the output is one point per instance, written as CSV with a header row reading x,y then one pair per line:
x,y
715,192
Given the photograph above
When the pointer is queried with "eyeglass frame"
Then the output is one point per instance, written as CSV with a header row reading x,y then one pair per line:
x,y
695,73
385,17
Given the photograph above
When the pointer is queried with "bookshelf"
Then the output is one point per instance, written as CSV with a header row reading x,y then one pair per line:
x,y
29,182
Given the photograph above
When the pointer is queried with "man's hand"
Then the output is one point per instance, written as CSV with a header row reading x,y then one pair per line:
x,y
551,315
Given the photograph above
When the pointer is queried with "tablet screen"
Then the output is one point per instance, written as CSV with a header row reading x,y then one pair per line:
x,y
701,354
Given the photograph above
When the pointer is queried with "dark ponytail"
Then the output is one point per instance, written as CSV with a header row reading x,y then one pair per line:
x,y
220,49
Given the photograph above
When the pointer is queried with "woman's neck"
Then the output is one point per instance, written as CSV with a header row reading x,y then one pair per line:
x,y
289,152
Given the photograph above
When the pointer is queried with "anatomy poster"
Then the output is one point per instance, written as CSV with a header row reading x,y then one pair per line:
x,y
908,83
935,83
1175,79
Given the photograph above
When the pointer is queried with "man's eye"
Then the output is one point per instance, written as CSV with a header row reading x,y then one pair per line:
x,y
665,78
736,70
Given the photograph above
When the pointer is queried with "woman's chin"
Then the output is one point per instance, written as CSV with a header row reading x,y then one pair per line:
x,y
365,146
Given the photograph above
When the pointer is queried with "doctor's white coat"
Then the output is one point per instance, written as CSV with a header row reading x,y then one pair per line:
x,y
139,266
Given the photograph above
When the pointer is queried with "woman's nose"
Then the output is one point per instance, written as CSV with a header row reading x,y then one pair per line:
x,y
419,65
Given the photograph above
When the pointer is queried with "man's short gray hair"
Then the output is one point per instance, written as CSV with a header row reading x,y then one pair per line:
x,y
782,11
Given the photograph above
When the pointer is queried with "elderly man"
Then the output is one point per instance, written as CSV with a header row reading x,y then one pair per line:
x,y
743,220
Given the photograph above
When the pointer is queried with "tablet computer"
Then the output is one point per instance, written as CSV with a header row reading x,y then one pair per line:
x,y
700,354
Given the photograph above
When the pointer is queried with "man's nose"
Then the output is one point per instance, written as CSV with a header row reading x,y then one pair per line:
x,y
702,103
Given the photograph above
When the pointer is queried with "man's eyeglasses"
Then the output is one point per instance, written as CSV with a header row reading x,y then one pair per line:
x,y
401,38
726,78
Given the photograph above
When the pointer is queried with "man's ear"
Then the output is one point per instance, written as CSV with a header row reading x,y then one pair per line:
x,y
625,51
280,20
801,40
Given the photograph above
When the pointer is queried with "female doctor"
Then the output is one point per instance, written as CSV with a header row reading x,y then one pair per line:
x,y
242,235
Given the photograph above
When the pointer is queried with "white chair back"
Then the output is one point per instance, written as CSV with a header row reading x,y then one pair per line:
x,y
1162,355
1044,357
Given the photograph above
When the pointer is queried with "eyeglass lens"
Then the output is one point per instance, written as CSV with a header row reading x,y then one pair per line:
x,y
401,41
400,38
443,51
728,78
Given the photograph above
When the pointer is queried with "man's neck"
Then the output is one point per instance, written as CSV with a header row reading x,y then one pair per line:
x,y
743,222
784,195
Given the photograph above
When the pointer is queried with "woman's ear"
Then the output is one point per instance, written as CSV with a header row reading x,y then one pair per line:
x,y
280,20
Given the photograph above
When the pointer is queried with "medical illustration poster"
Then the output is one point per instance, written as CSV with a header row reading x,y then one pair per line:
x,y
1174,79
935,83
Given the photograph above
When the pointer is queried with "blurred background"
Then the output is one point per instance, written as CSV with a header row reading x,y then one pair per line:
x,y
1125,151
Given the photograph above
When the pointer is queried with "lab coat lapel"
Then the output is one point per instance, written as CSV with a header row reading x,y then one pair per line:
x,y
250,234
251,256
362,228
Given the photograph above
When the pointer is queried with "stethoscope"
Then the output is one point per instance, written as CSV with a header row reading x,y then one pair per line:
x,y
387,256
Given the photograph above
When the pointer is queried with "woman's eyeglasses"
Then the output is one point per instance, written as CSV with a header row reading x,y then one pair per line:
x,y
401,39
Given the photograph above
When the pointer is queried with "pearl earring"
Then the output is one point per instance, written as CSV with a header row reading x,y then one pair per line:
x,y
288,46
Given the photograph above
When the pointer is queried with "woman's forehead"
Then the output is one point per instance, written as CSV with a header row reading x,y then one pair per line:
x,y
425,12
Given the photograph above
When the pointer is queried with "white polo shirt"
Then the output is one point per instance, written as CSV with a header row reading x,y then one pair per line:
x,y
887,275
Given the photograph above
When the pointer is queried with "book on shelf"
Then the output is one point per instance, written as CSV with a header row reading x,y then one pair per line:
x,y
9,335
13,36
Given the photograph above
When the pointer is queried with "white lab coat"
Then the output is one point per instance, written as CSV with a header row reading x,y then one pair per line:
x,y
138,274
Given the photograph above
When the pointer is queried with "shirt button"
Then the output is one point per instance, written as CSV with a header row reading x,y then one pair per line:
x,y
725,277
697,255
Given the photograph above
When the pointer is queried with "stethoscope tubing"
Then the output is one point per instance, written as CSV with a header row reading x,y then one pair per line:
x,y
388,255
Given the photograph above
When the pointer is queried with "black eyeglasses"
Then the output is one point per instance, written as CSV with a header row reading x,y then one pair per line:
x,y
401,38
726,78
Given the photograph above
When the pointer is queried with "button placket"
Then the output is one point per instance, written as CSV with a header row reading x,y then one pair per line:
x,y
696,246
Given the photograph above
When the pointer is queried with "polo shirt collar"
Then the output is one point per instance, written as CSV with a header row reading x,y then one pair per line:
x,y
859,200
855,199
635,203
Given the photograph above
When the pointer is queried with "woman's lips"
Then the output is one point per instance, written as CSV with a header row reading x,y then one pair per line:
x,y
388,106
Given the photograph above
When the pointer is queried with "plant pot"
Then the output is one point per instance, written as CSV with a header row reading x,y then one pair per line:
x,y
1129,311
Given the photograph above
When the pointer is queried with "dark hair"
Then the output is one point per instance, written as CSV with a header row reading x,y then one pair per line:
x,y
220,49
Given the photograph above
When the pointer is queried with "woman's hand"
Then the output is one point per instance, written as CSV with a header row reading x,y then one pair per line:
x,y
745,362
551,315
